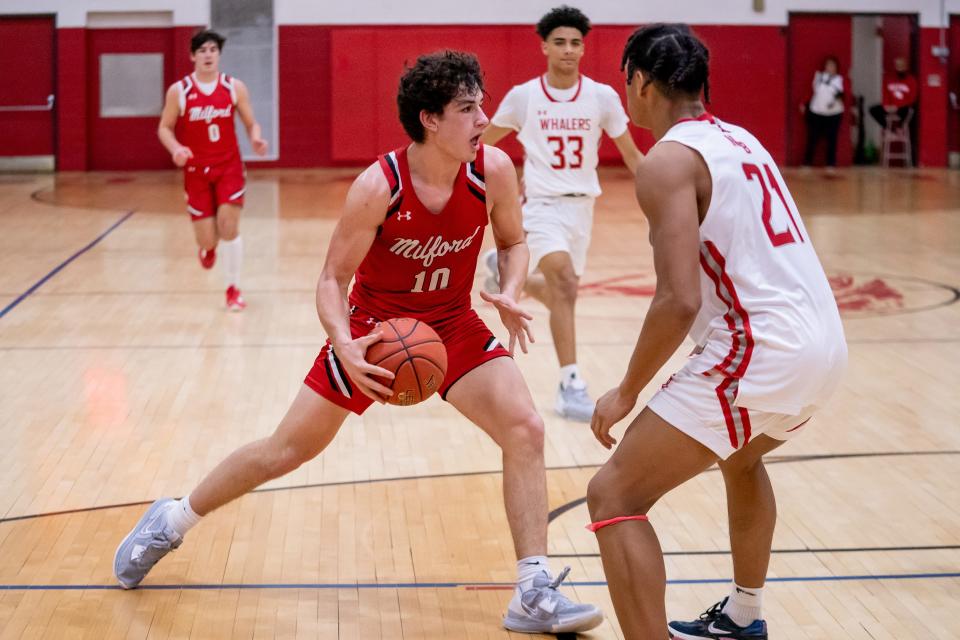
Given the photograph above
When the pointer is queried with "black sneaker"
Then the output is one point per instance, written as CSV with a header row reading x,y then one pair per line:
x,y
714,624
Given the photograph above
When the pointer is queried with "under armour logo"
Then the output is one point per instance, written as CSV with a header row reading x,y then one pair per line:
x,y
371,321
192,96
404,216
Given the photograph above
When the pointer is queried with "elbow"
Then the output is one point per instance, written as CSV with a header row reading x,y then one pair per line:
x,y
688,307
329,282
682,306
325,280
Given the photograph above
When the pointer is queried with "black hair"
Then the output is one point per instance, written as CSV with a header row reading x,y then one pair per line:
x,y
563,16
203,37
672,56
431,83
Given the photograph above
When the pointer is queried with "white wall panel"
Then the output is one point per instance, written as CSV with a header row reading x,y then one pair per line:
x,y
72,13
600,11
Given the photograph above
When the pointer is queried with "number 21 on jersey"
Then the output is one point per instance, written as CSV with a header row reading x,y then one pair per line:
x,y
784,236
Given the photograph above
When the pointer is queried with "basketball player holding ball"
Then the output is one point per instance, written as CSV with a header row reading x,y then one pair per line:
x,y
410,235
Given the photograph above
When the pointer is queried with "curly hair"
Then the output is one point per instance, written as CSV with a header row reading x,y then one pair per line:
x,y
563,16
431,83
203,37
675,58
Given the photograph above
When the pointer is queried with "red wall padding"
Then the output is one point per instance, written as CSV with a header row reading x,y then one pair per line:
x,y
366,64
72,99
305,96
813,37
933,105
338,86
126,143
953,84
897,40
26,79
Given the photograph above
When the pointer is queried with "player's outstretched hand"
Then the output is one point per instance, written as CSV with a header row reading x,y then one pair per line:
x,y
181,155
352,356
259,146
515,319
612,407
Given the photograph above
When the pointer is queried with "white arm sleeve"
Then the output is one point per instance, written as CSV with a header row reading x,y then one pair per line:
x,y
613,118
512,112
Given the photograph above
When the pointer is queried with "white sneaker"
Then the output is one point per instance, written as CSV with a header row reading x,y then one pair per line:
x,y
543,609
573,402
492,283
151,539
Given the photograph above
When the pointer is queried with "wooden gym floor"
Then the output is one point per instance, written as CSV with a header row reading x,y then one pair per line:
x,y
123,379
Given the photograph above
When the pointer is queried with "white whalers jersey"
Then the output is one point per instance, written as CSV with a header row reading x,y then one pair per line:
x,y
768,318
560,133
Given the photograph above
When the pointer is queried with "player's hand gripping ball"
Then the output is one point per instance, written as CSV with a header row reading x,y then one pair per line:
x,y
415,354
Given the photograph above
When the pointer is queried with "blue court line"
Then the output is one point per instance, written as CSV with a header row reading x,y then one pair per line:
x,y
26,294
445,585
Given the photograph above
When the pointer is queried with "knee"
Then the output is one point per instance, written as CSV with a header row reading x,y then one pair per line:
x,y
564,287
527,434
283,458
207,237
228,226
609,495
736,469
227,229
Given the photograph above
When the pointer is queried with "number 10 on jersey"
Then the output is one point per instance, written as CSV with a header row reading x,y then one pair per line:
x,y
439,279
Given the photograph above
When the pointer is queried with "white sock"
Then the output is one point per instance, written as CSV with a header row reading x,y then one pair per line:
x,y
570,376
528,568
181,516
744,605
231,255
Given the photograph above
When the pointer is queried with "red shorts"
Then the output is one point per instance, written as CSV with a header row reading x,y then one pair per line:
x,y
208,187
468,341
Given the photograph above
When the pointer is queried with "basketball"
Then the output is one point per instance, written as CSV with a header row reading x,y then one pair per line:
x,y
415,354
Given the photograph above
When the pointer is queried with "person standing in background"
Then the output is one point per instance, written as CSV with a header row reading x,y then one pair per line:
x,y
559,118
824,111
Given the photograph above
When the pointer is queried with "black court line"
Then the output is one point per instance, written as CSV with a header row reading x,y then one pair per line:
x,y
553,514
449,585
562,509
811,550
162,292
26,294
319,343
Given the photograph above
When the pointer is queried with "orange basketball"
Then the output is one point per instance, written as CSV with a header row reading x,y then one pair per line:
x,y
416,356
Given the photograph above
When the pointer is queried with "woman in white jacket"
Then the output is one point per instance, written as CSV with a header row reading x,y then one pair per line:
x,y
824,112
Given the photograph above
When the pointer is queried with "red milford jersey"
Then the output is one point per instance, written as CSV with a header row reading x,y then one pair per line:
x,y
206,121
421,264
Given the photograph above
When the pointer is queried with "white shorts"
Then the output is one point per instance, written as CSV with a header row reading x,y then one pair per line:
x,y
704,407
559,224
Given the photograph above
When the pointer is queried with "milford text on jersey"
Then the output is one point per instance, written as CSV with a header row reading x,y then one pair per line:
x,y
210,112
434,247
